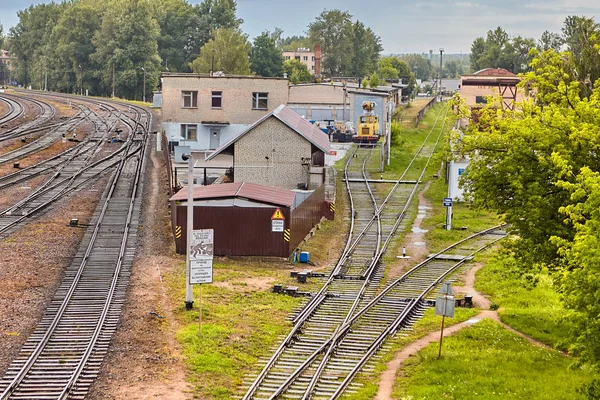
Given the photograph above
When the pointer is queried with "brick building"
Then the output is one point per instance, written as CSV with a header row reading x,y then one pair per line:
x,y
281,149
201,112
304,55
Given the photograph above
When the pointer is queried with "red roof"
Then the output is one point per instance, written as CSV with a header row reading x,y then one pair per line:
x,y
293,120
251,191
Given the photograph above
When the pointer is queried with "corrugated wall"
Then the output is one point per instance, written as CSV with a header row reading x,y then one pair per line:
x,y
307,215
239,231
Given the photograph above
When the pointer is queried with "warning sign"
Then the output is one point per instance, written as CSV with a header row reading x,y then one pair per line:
x,y
277,214
277,225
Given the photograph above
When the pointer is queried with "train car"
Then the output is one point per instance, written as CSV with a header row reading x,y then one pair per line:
x,y
368,125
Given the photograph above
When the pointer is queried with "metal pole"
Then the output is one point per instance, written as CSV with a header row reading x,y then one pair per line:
x,y
441,51
189,295
449,218
113,80
200,314
144,99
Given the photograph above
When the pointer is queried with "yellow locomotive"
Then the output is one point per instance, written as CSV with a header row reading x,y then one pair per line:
x,y
368,124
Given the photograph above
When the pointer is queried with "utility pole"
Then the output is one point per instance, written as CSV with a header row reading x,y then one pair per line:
x,y
144,98
441,52
113,80
212,67
81,80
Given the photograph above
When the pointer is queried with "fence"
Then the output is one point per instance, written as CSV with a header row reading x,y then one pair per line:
x,y
421,113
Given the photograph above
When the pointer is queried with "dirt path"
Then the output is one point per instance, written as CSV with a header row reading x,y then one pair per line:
x,y
145,358
388,377
416,247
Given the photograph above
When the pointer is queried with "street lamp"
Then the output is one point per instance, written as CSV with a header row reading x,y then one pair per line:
x,y
441,52
143,69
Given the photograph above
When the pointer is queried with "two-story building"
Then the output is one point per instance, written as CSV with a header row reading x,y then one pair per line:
x,y
304,55
201,111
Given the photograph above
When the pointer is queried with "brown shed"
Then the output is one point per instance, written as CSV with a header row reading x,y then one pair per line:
x,y
241,215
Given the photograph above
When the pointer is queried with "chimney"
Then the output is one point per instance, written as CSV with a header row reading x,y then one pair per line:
x,y
317,60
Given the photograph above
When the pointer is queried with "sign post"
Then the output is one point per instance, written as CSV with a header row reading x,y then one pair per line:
x,y
444,306
448,204
201,252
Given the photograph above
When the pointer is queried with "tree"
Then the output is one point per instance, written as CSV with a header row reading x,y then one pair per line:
x,y
386,69
333,30
180,27
374,80
452,70
74,32
366,48
266,58
537,165
292,43
1,37
127,41
582,38
213,15
228,52
419,65
297,71
550,41
477,51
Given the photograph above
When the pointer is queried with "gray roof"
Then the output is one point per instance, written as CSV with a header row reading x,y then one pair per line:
x,y
290,118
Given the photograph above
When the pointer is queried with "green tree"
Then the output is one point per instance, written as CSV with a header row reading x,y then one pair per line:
x,y
366,48
386,69
374,80
266,58
127,40
297,71
582,38
228,51
292,43
74,32
333,30
477,51
537,165
1,37
419,65
550,41
498,50
180,24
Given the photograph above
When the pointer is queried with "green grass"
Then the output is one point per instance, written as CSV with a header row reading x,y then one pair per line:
x,y
239,325
429,323
466,220
529,304
485,361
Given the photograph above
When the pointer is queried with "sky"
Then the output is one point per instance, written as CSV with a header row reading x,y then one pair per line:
x,y
415,26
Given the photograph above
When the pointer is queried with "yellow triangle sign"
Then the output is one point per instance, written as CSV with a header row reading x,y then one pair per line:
x,y
277,214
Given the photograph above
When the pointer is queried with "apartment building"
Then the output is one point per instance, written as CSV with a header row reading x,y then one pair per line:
x,y
202,112
304,55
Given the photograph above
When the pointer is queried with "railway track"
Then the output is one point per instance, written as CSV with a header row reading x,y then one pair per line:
x,y
343,324
15,110
40,122
62,357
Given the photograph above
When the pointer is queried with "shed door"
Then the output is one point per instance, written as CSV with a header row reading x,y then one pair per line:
x,y
215,138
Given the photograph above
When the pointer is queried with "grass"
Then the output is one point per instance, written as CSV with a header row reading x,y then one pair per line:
x,y
529,304
466,220
429,323
239,324
409,113
485,361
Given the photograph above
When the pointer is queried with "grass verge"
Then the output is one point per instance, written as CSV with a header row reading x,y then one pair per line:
x,y
429,323
527,303
485,361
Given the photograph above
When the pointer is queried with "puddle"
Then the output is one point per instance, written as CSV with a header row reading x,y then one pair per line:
x,y
416,229
473,321
424,208
419,243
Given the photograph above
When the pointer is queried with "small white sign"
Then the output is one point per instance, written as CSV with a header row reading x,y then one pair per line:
x,y
277,225
202,244
201,271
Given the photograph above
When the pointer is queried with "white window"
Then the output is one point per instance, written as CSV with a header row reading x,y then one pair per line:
x,y
305,58
313,58
312,67
189,131
287,57
190,99
216,100
260,101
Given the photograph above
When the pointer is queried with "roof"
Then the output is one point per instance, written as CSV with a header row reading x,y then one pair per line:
x,y
494,72
380,94
251,191
192,75
290,118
